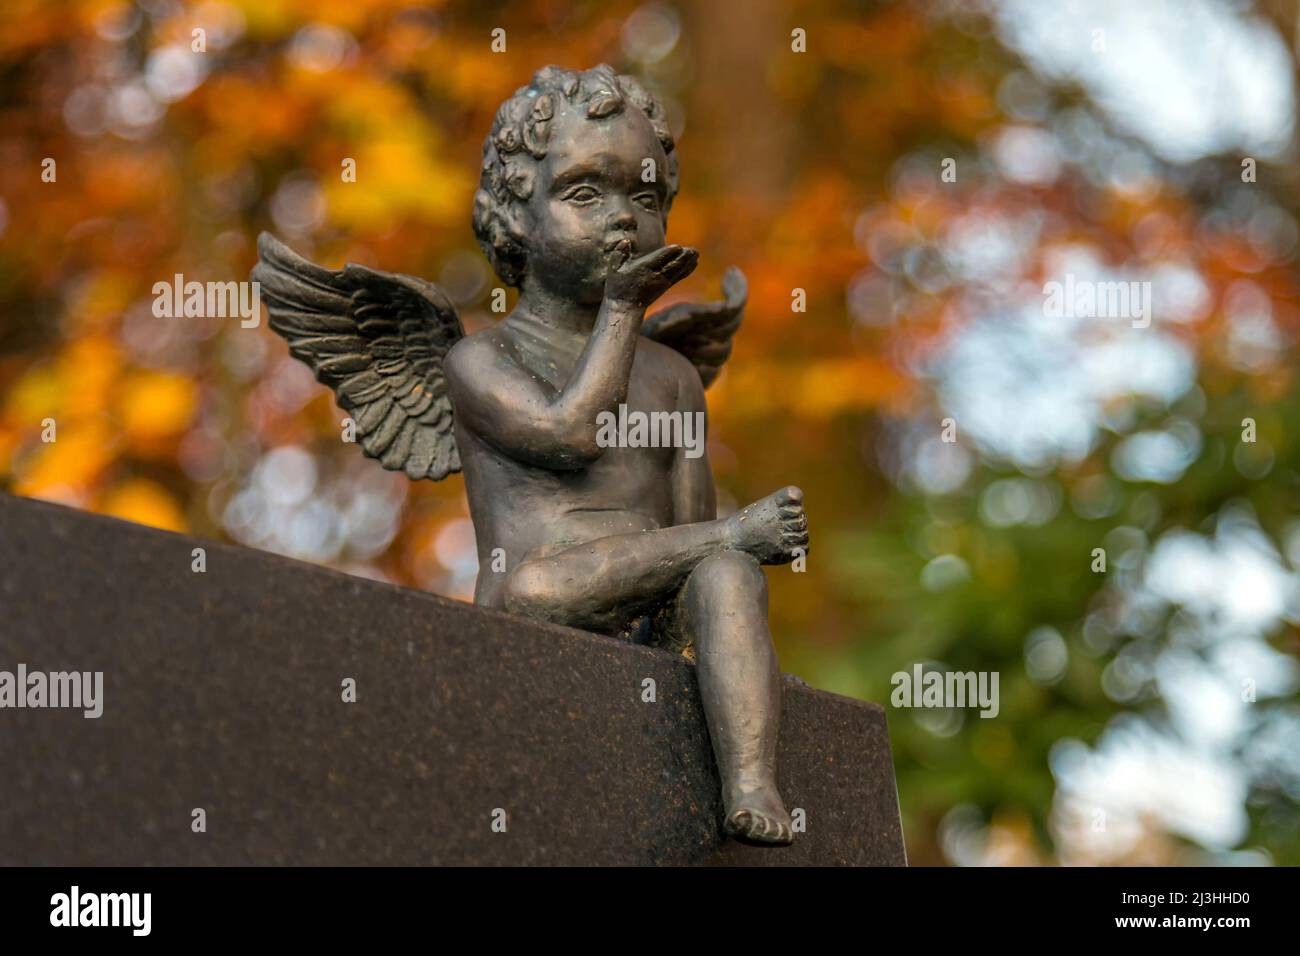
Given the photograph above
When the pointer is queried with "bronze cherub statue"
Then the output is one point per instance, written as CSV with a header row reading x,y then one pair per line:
x,y
617,540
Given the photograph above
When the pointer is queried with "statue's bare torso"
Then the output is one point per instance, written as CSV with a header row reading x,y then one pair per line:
x,y
520,508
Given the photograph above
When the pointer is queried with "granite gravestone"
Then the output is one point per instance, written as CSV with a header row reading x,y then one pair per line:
x,y
475,737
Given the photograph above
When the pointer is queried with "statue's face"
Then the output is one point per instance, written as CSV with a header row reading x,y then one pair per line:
x,y
591,209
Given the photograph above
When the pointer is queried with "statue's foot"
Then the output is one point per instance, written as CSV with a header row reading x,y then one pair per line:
x,y
772,528
757,815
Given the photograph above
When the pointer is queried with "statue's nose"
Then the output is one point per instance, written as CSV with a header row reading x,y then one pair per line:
x,y
622,219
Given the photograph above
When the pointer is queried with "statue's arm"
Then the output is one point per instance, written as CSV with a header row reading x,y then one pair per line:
x,y
507,407
694,494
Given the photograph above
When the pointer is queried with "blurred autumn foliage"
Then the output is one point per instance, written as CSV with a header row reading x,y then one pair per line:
x,y
817,171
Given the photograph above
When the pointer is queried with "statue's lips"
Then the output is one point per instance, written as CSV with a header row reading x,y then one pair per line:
x,y
620,250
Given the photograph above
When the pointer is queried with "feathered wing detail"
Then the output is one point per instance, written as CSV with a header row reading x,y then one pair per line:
x,y
703,331
378,340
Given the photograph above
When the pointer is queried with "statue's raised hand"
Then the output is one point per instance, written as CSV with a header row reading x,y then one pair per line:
x,y
638,282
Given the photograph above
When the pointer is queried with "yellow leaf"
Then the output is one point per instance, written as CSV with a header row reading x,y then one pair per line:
x,y
74,460
144,502
156,404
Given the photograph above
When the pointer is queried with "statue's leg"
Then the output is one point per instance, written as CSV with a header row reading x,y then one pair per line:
x,y
600,584
721,603
724,608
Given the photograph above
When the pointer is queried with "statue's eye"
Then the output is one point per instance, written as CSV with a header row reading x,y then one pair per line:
x,y
648,201
582,194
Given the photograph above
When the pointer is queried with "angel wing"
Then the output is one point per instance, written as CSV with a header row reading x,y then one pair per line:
x,y
703,331
378,340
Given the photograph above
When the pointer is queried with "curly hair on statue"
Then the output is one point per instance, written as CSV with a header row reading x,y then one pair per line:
x,y
519,139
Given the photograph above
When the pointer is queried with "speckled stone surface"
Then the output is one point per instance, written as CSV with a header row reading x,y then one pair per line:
x,y
222,690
